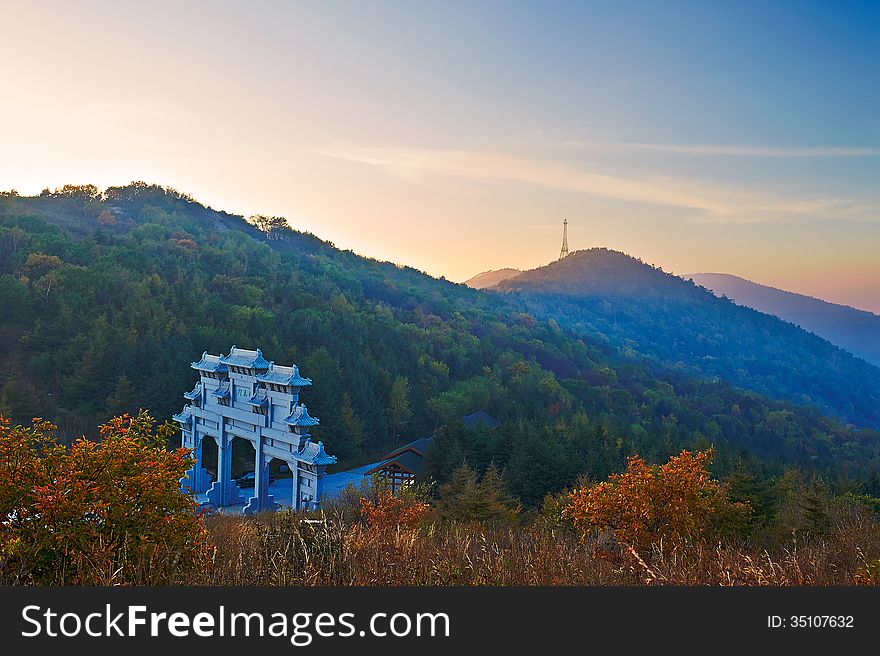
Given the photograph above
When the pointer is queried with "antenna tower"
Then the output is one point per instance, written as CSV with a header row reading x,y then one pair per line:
x,y
564,252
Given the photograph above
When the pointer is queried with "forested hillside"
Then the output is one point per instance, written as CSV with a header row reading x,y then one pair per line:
x,y
855,330
491,278
107,298
638,308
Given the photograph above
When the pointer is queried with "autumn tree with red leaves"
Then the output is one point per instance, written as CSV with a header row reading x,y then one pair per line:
x,y
676,501
103,512
391,511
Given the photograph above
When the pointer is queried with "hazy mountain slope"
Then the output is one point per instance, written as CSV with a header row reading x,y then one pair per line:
x,y
643,310
491,278
108,298
855,330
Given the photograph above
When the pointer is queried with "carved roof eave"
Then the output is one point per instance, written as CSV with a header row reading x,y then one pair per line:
x,y
245,359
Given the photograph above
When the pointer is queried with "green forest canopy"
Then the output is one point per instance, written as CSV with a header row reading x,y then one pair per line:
x,y
109,296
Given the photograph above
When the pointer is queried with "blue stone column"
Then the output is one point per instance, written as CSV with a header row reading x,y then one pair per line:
x,y
261,482
319,485
224,463
187,483
224,491
192,481
215,492
200,481
294,496
262,500
268,502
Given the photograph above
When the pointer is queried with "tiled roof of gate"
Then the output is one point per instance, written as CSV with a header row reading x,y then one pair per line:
x,y
279,375
245,358
192,395
221,392
300,417
314,454
183,417
210,363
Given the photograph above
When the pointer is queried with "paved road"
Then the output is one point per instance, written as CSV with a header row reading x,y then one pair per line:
x,y
282,489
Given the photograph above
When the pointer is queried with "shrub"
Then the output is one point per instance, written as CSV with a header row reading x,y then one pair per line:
x,y
393,511
467,498
108,512
648,504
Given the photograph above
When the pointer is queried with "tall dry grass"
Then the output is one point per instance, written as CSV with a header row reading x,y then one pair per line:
x,y
290,549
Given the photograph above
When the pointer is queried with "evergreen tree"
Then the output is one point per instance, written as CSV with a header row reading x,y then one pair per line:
x,y
399,412
466,498
20,402
122,400
745,485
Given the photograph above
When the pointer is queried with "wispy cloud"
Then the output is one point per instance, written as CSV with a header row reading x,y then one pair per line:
x,y
712,200
721,150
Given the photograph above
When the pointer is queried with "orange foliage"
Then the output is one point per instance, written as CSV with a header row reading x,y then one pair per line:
x,y
106,217
646,504
391,512
185,243
105,512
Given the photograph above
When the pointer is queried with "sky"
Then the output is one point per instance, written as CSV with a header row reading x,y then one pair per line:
x,y
741,137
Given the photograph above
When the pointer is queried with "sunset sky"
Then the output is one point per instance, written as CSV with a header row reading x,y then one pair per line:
x,y
454,137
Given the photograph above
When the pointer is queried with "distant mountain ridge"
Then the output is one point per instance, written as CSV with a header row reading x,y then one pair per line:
x,y
643,310
857,331
491,278
600,271
108,296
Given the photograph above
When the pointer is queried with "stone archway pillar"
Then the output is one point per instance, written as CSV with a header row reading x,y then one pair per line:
x,y
294,494
196,479
199,479
262,500
224,491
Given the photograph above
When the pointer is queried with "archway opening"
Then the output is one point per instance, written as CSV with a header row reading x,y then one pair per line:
x,y
209,456
280,482
243,463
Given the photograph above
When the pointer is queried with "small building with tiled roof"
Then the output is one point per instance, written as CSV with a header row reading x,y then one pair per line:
x,y
419,447
402,466
480,419
405,465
